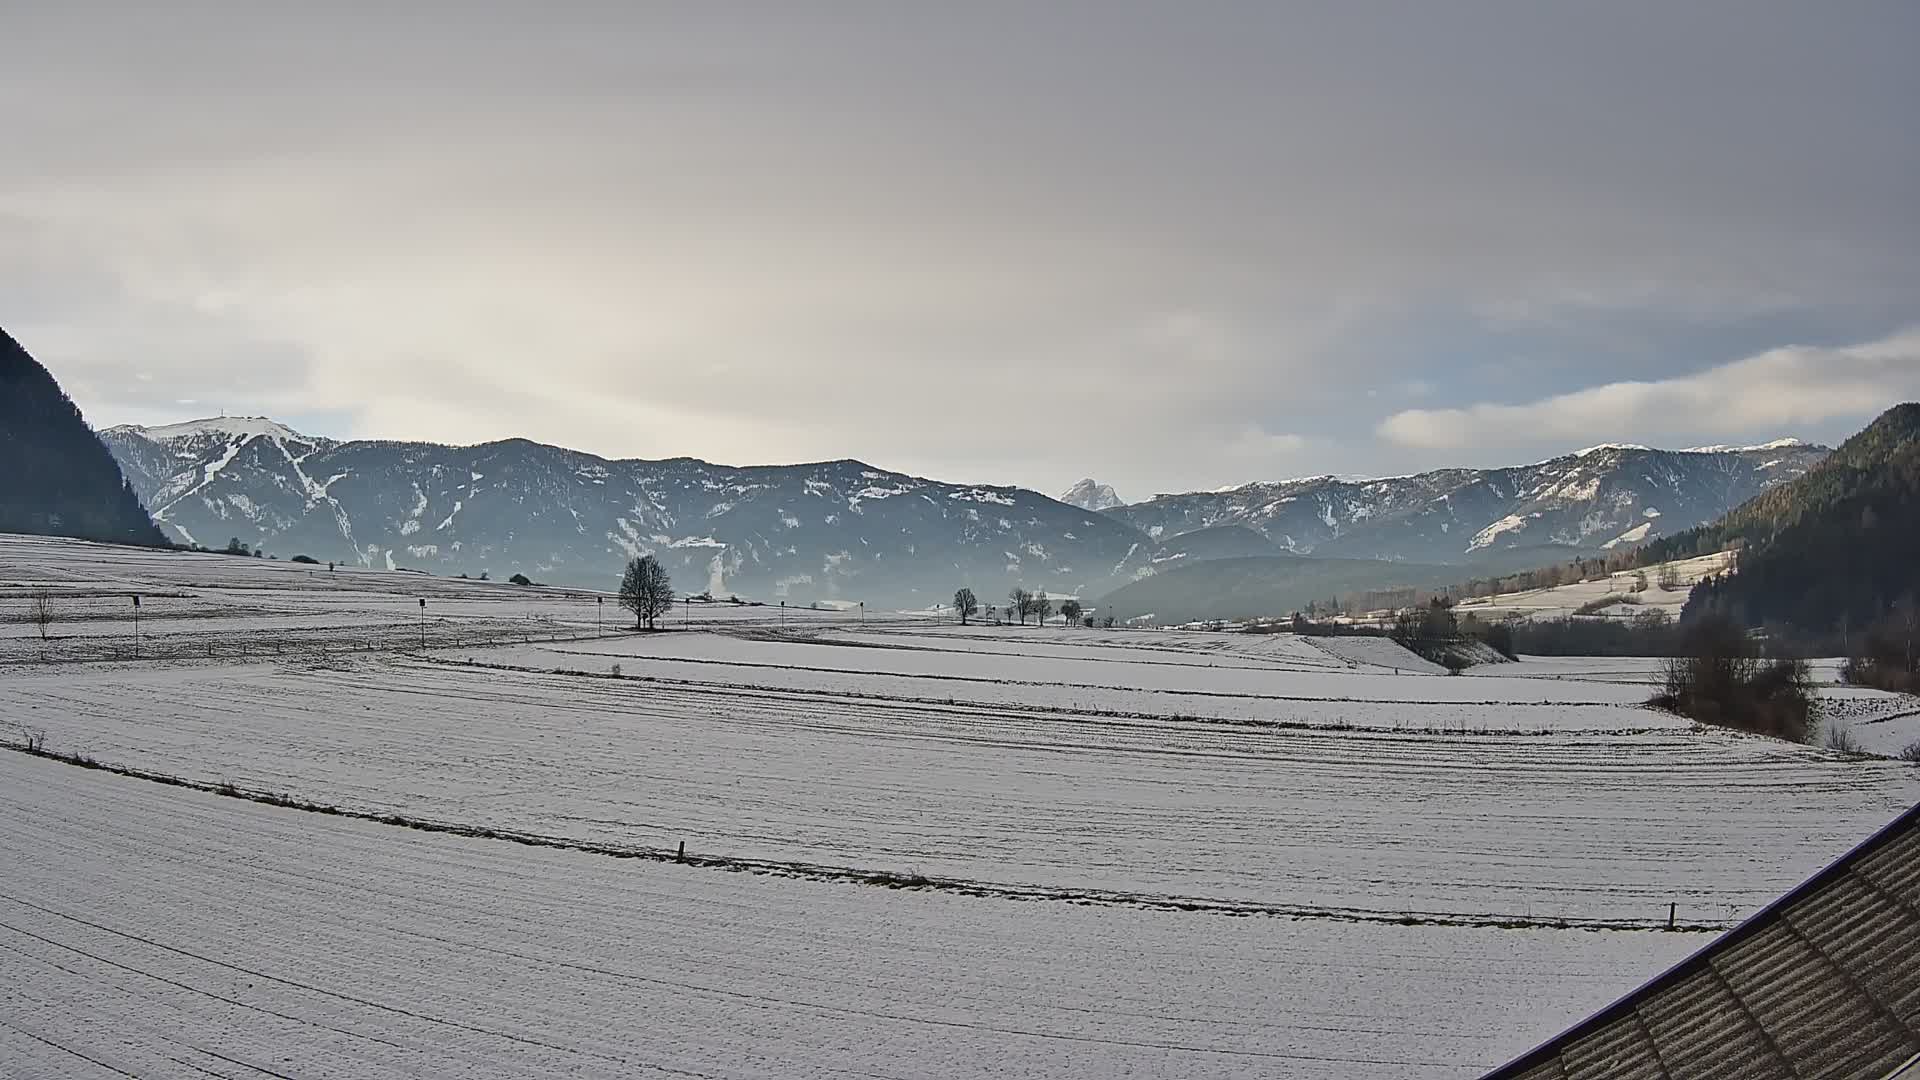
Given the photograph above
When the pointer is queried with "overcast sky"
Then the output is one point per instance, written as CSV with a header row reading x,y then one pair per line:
x,y
1169,245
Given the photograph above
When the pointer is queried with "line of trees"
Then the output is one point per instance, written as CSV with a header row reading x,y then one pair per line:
x,y
1021,603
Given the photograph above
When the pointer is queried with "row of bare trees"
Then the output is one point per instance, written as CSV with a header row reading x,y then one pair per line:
x,y
1021,603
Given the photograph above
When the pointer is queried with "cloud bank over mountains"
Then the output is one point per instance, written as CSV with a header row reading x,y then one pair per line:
x,y
993,242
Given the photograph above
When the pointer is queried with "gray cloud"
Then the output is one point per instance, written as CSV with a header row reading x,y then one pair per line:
x,y
1173,247
1786,389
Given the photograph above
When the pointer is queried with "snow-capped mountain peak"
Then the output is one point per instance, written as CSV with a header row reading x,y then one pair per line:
x,y
1588,451
1089,495
1788,443
231,427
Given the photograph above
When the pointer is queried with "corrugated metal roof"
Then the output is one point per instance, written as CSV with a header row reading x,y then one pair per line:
x,y
1909,1071
1825,982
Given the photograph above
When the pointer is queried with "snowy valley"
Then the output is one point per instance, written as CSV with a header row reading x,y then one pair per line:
x,y
385,825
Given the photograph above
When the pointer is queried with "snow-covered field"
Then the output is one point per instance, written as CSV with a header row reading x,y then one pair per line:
x,y
916,849
154,932
200,606
1564,601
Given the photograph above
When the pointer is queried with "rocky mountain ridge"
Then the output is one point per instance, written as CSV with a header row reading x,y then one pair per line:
x,y
824,531
844,530
1090,495
1599,498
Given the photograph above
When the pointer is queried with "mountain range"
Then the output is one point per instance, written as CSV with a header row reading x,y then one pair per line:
x,y
1598,498
836,530
844,530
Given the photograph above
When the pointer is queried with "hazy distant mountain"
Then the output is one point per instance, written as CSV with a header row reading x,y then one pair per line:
x,y
831,530
845,530
1602,497
56,479
1088,495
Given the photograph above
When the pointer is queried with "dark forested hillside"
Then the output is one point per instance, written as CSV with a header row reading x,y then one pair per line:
x,y
56,477
1833,548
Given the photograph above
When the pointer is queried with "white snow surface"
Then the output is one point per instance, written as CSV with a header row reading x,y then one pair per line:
x,y
1777,444
1076,812
1564,601
163,932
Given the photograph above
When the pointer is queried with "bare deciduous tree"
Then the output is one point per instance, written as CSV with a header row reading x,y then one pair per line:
x,y
1070,610
1020,603
966,604
646,591
1042,607
41,611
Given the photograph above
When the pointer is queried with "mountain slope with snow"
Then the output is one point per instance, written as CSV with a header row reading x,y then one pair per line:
x,y
829,530
843,530
1601,497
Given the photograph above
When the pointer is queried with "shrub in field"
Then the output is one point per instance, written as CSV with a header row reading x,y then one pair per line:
x,y
1912,752
1835,737
520,579
307,560
1719,678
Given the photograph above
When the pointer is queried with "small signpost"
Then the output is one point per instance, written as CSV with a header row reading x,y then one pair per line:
x,y
423,623
136,626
